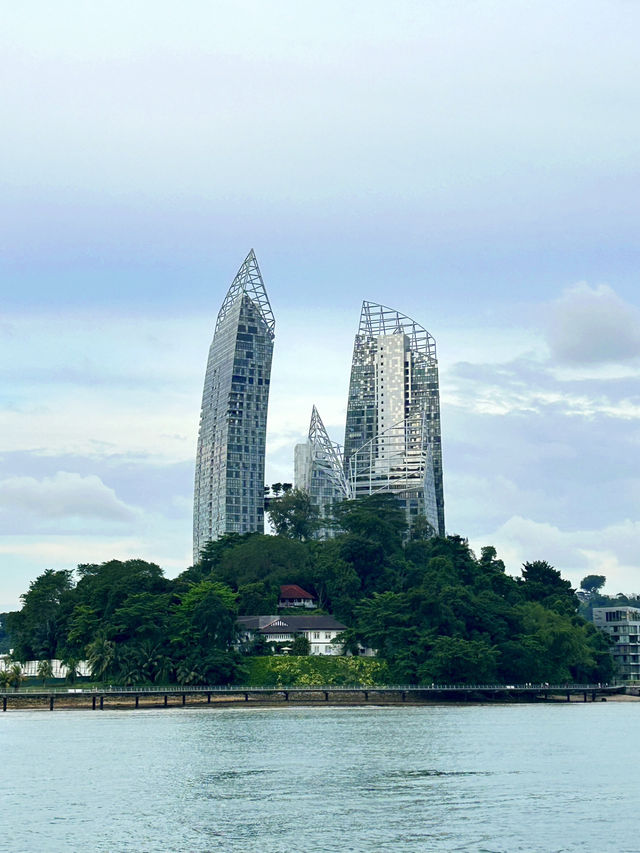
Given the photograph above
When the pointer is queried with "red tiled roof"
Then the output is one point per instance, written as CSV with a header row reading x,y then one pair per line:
x,y
292,590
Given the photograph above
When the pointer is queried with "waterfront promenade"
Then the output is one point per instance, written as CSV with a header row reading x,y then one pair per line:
x,y
114,696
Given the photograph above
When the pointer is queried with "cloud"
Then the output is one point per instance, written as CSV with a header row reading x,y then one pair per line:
x,y
520,437
611,550
529,385
593,325
63,496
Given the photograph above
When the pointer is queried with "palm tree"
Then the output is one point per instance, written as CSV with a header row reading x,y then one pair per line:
x,y
101,655
5,679
16,676
129,669
154,664
45,670
72,666
189,672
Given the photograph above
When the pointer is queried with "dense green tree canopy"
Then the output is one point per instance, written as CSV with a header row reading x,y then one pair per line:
x,y
38,628
592,583
431,608
293,515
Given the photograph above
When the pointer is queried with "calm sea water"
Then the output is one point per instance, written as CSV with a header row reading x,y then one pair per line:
x,y
438,778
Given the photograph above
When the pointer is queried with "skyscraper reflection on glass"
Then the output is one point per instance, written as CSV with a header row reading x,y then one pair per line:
x,y
229,478
392,438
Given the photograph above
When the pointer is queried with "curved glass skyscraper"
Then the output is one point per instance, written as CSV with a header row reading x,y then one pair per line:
x,y
319,470
229,480
392,439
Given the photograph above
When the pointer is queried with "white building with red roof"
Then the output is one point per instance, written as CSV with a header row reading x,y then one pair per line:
x,y
321,631
292,595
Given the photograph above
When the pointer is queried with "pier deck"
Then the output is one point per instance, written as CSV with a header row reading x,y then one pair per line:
x,y
98,698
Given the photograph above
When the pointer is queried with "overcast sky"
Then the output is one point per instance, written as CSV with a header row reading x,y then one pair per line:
x,y
472,164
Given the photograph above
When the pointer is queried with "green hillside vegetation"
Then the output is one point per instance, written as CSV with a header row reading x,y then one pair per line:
x,y
432,609
315,671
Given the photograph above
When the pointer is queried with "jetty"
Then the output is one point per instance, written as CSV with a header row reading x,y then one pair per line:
x,y
99,698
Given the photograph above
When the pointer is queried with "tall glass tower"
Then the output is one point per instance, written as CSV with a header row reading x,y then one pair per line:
x,y
229,480
392,439
319,471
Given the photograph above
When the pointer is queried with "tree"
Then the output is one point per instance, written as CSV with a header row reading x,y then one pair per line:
x,y
454,660
142,615
255,598
421,528
256,646
82,626
101,655
386,622
206,617
105,587
72,665
335,580
378,517
541,582
16,676
190,670
5,679
153,663
45,670
270,560
593,583
300,646
294,515
561,643
129,668
347,642
37,629
211,554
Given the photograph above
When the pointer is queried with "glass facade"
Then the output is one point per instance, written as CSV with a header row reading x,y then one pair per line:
x,y
319,470
229,479
393,437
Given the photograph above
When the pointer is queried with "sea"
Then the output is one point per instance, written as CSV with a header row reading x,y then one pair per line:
x,y
544,777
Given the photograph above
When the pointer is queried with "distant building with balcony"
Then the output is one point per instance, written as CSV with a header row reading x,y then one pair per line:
x,y
292,595
623,625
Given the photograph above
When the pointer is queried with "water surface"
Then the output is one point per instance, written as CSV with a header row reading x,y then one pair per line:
x,y
434,778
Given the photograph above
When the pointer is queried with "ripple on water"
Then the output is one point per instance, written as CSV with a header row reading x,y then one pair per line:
x,y
473,778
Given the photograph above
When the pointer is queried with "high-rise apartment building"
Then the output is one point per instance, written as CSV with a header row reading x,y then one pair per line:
x,y
229,479
622,623
319,471
392,439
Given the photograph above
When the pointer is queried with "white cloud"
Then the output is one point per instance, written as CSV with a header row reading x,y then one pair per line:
x,y
593,325
613,551
63,496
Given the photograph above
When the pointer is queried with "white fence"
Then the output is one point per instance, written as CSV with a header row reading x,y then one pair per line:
x,y
30,667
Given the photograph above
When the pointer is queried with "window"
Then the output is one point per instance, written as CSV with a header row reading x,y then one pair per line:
x,y
316,635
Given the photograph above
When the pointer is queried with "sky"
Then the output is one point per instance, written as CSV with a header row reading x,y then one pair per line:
x,y
472,164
